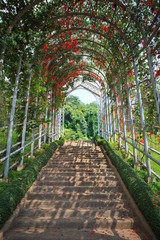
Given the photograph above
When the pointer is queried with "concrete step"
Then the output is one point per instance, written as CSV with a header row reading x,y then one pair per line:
x,y
69,170
78,183
76,163
74,197
76,234
54,177
101,204
77,166
78,189
52,172
74,222
80,212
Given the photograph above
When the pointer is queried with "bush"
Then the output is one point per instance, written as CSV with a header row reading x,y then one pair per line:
x,y
147,201
12,194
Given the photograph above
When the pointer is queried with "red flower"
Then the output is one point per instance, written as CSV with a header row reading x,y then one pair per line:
x,y
44,125
150,3
157,73
104,28
143,44
30,100
141,141
33,74
45,75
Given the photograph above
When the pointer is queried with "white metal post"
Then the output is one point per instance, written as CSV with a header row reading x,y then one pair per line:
x,y
63,122
45,128
25,118
40,134
117,114
142,120
131,117
53,130
153,80
32,144
10,132
114,126
123,116
59,123
107,118
110,119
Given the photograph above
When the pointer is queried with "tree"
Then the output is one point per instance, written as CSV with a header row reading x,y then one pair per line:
x,y
80,119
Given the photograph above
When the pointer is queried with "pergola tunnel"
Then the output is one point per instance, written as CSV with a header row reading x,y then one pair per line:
x,y
50,48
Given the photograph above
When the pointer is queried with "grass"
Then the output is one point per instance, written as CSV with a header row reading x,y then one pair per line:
x,y
142,173
16,157
153,143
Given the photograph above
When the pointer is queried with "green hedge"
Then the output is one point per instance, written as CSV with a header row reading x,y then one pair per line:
x,y
14,192
147,201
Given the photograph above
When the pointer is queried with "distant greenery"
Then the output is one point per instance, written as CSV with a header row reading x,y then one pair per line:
x,y
81,120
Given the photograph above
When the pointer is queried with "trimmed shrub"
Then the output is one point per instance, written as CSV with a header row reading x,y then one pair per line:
x,y
147,201
12,194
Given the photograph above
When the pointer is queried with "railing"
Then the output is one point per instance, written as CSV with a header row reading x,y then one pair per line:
x,y
141,151
20,148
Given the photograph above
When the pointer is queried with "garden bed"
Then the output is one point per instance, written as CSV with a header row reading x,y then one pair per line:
x,y
146,199
12,192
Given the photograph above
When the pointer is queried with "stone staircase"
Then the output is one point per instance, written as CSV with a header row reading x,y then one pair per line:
x,y
76,196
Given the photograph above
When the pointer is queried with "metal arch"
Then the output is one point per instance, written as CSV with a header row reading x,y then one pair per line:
x,y
86,85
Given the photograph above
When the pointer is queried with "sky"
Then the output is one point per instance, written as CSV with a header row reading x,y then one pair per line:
x,y
84,95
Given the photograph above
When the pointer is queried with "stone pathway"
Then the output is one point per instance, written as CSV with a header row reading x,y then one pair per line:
x,y
76,196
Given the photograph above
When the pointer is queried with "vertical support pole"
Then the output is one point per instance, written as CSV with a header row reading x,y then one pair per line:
x,y
40,134
25,118
63,122
107,117
110,120
53,130
45,128
101,117
10,132
131,118
50,118
117,113
153,80
59,123
33,133
114,126
98,120
32,144
105,120
142,120
56,125
123,117
109,133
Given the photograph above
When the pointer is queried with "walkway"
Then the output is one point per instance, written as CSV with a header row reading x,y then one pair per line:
x,y
76,196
